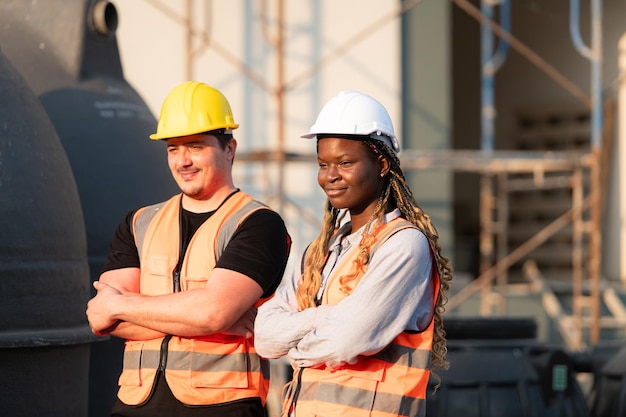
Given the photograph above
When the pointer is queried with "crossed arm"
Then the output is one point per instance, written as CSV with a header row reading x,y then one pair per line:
x,y
226,305
394,295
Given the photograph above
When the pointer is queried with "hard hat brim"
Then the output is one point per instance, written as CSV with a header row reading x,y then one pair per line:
x,y
156,136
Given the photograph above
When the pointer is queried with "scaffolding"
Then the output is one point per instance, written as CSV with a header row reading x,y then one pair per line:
x,y
496,170
581,172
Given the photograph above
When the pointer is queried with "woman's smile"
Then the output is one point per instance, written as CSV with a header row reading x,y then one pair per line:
x,y
334,191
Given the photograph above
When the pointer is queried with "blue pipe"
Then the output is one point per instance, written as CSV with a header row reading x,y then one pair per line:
x,y
594,54
505,23
490,64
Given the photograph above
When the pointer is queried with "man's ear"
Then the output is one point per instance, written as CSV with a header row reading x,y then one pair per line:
x,y
231,148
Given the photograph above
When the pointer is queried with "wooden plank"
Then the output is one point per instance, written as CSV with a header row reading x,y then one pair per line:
x,y
565,323
614,304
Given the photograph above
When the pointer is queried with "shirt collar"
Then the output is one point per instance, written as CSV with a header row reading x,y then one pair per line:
x,y
354,237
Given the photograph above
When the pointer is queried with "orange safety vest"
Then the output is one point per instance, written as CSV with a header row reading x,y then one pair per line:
x,y
390,383
201,370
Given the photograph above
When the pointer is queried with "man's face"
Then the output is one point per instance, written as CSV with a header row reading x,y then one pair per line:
x,y
199,165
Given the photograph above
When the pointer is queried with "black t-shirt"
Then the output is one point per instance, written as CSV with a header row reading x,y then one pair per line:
x,y
259,248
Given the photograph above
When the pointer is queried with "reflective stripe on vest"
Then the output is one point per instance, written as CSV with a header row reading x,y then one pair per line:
x,y
200,371
390,383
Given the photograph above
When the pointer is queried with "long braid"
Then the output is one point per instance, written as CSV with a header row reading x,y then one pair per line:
x,y
311,280
411,211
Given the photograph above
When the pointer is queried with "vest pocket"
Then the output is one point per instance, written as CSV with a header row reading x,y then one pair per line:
x,y
158,278
194,283
346,392
131,372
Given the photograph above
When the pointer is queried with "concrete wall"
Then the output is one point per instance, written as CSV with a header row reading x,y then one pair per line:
x,y
426,109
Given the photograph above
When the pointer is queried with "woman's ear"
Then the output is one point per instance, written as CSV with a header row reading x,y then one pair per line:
x,y
383,165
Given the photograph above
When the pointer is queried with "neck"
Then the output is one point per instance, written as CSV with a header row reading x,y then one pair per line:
x,y
356,224
209,204
360,218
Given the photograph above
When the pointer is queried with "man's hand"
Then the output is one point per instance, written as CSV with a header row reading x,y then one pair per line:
x,y
244,326
99,311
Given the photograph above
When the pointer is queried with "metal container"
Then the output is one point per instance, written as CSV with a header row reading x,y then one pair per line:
x,y
67,52
498,368
609,391
44,275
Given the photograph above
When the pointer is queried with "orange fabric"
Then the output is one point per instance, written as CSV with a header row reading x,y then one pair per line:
x,y
390,383
204,370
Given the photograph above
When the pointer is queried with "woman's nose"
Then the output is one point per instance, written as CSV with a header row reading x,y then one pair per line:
x,y
332,173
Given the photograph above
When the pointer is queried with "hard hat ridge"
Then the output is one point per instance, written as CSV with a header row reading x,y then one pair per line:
x,y
354,113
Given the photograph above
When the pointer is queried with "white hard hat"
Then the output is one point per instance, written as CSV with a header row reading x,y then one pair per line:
x,y
355,113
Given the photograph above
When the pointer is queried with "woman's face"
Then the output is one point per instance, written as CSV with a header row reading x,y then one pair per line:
x,y
349,174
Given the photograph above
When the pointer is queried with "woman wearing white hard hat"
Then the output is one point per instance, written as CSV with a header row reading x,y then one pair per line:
x,y
360,317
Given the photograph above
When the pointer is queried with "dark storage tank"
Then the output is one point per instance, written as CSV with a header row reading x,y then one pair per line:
x,y
609,391
67,52
498,368
44,276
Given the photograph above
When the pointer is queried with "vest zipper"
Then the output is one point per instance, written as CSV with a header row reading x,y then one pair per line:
x,y
176,288
176,282
181,247
163,355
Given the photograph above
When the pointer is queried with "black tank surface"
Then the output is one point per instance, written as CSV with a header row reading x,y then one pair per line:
x,y
67,52
609,391
44,275
498,368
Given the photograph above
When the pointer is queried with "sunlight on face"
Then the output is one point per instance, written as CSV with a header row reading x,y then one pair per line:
x,y
199,165
349,174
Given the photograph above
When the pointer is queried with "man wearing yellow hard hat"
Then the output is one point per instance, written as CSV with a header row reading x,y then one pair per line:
x,y
184,277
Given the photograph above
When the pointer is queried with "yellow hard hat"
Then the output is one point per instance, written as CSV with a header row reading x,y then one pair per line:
x,y
193,107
